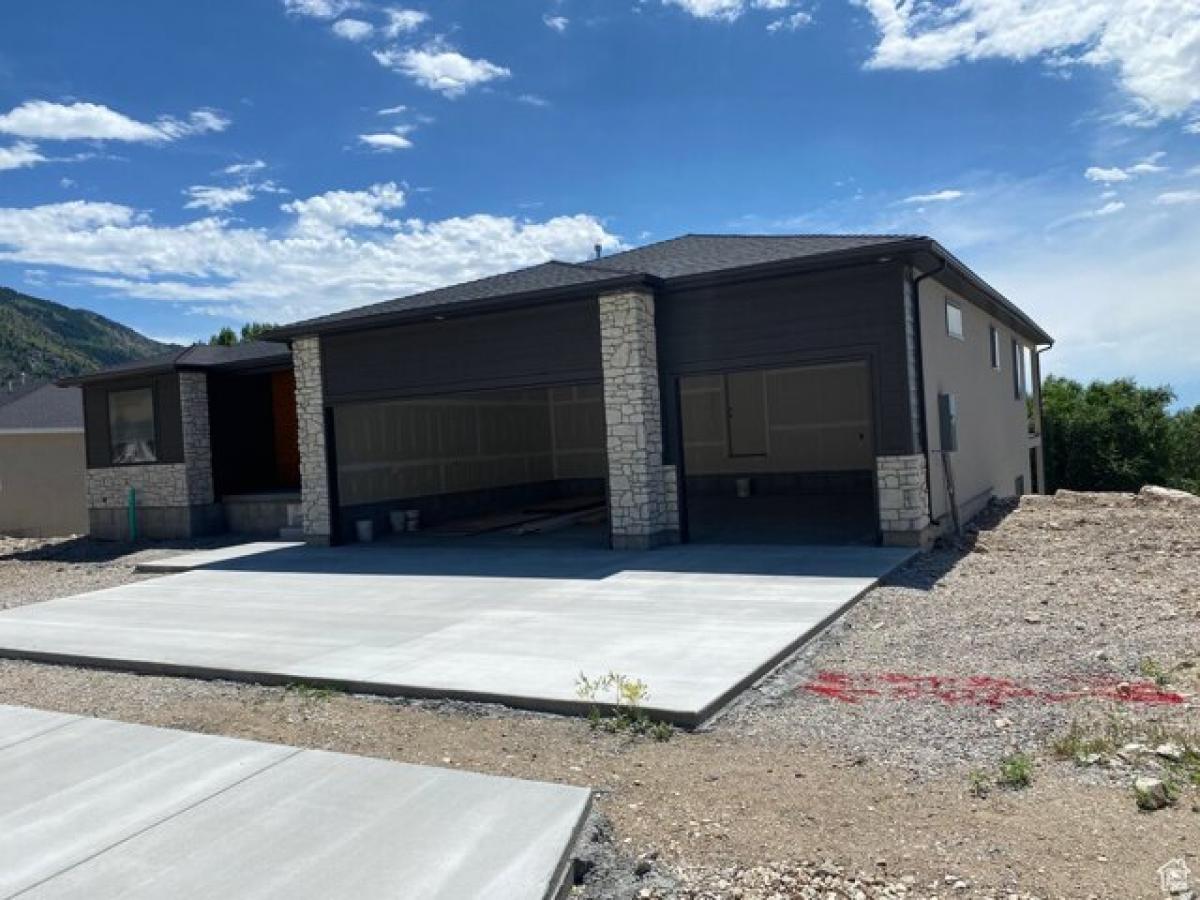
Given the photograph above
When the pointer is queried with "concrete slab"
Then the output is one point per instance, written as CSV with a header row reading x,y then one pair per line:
x,y
505,624
198,559
103,809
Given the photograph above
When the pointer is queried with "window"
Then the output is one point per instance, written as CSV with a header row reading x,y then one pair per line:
x,y
1016,369
994,345
131,430
954,320
1027,371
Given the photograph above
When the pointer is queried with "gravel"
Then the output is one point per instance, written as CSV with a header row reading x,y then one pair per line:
x,y
1039,618
795,793
36,569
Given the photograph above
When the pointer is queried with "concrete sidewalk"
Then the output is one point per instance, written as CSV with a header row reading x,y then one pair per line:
x,y
100,809
697,623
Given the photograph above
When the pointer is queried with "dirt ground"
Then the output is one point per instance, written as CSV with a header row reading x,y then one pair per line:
x,y
868,765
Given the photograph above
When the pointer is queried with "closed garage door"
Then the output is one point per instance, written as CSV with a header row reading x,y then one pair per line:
x,y
779,455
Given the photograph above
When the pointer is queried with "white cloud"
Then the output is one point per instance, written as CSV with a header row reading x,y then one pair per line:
x,y
392,111
403,21
723,10
1152,45
1174,198
793,22
20,155
1106,175
353,29
396,139
935,197
439,67
556,23
217,199
1115,174
246,168
533,100
318,9
1192,127
43,120
338,249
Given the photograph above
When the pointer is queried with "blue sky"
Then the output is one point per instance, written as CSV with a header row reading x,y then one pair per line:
x,y
184,166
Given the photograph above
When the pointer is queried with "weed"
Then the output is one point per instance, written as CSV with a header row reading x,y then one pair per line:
x,y
1148,803
661,731
979,783
1080,742
631,693
1152,669
1016,771
312,691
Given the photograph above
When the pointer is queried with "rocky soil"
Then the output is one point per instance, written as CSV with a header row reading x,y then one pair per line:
x,y
876,763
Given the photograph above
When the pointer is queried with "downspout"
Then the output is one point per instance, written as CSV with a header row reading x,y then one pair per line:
x,y
915,284
1042,415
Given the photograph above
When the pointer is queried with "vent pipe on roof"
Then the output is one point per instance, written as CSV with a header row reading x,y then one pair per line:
x,y
599,251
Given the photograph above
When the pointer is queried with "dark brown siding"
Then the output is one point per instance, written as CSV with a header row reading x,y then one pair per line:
x,y
167,414
852,314
552,344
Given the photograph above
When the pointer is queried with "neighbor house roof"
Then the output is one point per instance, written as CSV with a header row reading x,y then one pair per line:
x,y
197,358
48,408
678,262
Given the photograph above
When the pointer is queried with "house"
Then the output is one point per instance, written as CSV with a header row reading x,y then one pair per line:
x,y
837,388
42,462
192,442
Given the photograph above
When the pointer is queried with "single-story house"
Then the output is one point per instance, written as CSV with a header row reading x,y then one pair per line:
x,y
42,463
803,388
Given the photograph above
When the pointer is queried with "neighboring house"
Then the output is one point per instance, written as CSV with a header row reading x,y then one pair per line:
x,y
792,388
41,463
196,441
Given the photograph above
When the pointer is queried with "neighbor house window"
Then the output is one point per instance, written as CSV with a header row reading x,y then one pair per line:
x,y
954,320
131,426
994,344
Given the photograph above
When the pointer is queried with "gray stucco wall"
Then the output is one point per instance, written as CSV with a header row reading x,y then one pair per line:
x,y
993,435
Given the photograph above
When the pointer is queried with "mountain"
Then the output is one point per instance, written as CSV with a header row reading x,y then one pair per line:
x,y
45,340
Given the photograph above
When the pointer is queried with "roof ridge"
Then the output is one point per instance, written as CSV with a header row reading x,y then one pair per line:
x,y
803,234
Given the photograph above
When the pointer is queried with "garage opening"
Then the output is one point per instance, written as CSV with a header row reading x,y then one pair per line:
x,y
780,455
528,462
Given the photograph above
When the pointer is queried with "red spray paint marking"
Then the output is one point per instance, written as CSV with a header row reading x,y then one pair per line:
x,y
975,690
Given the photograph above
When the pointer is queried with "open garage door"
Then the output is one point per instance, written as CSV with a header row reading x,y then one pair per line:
x,y
521,461
782,455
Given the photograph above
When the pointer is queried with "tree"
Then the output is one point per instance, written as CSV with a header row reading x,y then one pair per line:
x,y
251,331
1185,450
1107,436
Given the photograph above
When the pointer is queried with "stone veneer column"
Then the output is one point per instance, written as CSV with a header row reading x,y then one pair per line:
x,y
638,505
197,441
903,491
310,420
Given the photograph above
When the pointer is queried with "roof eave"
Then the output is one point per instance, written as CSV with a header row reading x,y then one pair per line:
x,y
1020,317
460,307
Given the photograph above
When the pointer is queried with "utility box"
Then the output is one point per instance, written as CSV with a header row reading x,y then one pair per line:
x,y
948,421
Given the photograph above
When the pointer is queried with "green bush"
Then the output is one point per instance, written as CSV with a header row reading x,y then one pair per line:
x,y
1117,436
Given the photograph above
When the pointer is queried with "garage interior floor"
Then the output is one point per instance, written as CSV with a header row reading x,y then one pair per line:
x,y
100,809
467,620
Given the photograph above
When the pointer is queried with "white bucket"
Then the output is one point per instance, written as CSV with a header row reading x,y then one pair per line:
x,y
743,488
365,530
412,519
398,519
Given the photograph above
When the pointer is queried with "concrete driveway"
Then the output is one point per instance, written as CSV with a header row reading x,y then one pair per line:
x,y
103,810
515,625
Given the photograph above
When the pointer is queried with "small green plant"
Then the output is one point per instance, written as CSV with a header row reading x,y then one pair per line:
x,y
312,691
630,693
1081,742
661,731
1148,801
1016,771
979,783
1152,669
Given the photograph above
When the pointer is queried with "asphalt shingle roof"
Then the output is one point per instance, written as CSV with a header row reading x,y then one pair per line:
x,y
199,356
47,407
692,254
